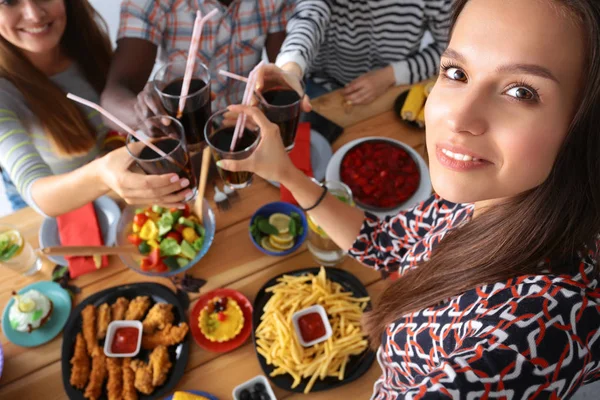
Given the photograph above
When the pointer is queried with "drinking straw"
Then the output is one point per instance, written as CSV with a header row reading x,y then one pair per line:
x,y
241,79
191,60
121,124
238,133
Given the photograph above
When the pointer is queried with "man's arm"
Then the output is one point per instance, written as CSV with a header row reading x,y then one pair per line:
x,y
129,71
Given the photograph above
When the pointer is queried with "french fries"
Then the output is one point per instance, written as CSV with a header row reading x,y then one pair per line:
x,y
276,339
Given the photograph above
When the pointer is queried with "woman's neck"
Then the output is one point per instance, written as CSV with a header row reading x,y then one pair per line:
x,y
51,62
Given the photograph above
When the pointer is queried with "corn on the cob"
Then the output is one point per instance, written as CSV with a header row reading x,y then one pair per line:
x,y
421,118
413,103
429,88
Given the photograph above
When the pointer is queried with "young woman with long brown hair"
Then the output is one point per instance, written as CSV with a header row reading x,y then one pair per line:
x,y
49,146
497,292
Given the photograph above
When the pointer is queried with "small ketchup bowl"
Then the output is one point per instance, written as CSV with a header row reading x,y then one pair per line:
x,y
312,325
123,339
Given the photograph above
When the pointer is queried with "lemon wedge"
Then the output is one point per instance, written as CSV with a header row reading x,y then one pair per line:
x,y
266,244
282,239
281,222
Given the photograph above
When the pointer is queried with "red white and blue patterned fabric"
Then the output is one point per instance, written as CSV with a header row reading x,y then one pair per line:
x,y
532,337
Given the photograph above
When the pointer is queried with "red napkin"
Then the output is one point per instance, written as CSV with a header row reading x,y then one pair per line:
x,y
80,228
300,156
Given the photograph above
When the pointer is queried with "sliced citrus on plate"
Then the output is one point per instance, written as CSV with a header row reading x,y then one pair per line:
x,y
281,222
266,244
282,239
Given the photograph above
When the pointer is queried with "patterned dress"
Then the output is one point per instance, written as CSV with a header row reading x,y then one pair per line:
x,y
533,336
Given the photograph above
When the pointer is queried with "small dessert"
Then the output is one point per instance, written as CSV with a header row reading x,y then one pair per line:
x,y
221,319
30,311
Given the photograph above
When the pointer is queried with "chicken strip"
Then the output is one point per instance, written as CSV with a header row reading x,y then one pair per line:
x,y
167,337
143,377
80,370
129,392
137,308
103,319
93,391
119,309
160,365
114,386
158,317
88,316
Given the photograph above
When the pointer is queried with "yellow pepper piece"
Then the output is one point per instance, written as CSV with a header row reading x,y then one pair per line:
x,y
413,103
153,243
421,118
189,235
152,215
136,229
149,231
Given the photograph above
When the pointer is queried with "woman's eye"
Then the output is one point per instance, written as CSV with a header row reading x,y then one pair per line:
x,y
8,2
455,74
521,93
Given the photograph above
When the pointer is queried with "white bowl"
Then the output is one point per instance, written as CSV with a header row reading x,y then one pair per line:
x,y
314,309
250,384
110,334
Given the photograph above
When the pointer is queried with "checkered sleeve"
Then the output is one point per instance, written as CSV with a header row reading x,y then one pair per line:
x,y
144,19
381,244
281,14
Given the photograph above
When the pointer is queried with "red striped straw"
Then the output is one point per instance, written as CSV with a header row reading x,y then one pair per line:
x,y
121,124
191,60
238,133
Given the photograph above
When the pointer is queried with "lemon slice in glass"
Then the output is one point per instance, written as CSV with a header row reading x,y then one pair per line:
x,y
13,237
281,222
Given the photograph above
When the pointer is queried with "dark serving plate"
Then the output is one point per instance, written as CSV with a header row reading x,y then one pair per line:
x,y
396,144
158,294
357,365
398,104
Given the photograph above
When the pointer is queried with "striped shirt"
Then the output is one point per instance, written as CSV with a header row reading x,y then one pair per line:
x,y
232,40
340,40
25,152
533,336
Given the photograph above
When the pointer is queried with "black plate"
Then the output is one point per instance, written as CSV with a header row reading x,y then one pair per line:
x,y
398,104
158,294
357,365
370,207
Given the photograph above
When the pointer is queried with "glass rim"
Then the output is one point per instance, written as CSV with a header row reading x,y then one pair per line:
x,y
209,143
172,96
181,139
302,85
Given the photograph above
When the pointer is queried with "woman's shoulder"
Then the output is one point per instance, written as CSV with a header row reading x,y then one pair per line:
x,y
11,98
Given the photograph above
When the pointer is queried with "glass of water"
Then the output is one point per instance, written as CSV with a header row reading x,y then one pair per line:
x,y
16,253
322,248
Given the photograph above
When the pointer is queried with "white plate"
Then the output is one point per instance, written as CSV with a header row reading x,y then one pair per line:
x,y
108,214
423,191
320,154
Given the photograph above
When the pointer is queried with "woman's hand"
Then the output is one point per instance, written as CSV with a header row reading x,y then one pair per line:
x,y
368,87
271,72
148,103
166,190
269,160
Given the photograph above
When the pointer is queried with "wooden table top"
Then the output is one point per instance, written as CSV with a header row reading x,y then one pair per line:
x,y
35,373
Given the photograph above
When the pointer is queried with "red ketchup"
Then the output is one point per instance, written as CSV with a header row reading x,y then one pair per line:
x,y
125,340
311,326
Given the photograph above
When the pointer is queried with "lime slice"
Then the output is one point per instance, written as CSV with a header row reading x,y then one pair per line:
x,y
281,222
280,247
266,244
9,239
282,240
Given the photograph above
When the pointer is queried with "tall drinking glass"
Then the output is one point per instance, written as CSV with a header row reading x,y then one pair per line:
x,y
282,95
168,135
322,248
168,81
16,253
219,132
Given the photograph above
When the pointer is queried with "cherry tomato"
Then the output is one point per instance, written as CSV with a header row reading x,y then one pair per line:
x,y
140,219
154,257
186,210
134,239
174,235
161,266
145,264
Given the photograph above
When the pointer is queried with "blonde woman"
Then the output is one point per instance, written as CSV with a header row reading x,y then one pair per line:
x,y
49,146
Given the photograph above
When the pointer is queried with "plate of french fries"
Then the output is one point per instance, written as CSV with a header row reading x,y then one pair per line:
x,y
410,104
341,359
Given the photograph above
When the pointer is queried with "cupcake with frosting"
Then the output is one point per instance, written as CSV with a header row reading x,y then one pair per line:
x,y
30,311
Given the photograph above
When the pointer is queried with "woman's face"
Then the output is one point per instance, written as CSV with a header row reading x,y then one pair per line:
x,y
34,26
505,97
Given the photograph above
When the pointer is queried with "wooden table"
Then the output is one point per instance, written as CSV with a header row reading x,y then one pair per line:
x,y
35,373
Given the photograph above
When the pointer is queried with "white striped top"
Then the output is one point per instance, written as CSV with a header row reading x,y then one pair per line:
x,y
339,40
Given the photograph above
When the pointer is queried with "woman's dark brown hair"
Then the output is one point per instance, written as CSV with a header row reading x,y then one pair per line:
x,y
552,221
86,42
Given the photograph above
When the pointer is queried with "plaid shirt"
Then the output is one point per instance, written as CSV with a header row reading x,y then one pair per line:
x,y
232,40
